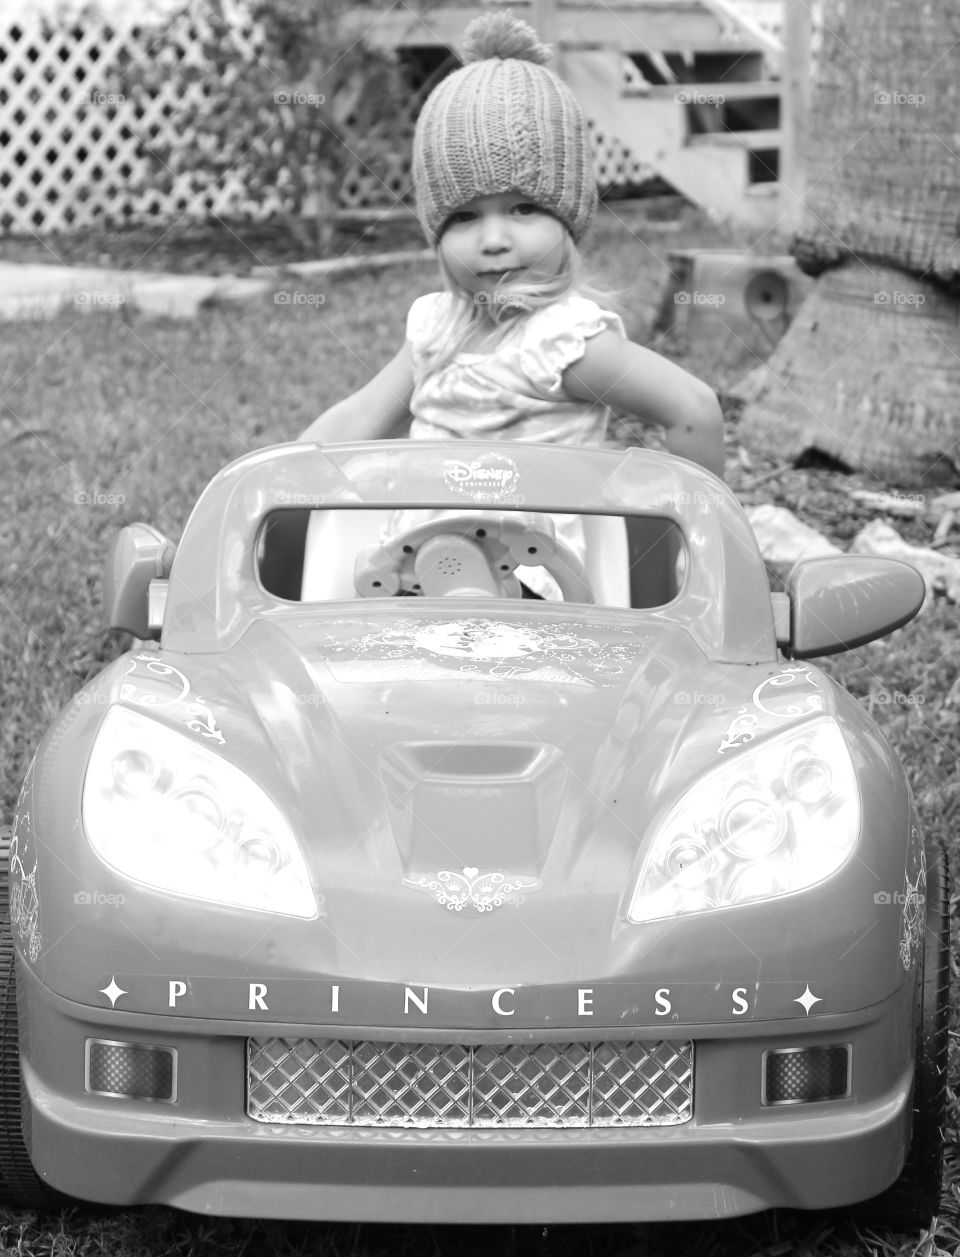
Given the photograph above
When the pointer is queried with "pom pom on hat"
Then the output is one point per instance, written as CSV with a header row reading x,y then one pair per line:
x,y
503,122
503,36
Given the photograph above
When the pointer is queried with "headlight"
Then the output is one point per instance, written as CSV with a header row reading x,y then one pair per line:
x,y
167,812
777,819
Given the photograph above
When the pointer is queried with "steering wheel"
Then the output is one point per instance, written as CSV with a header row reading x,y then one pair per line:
x,y
470,554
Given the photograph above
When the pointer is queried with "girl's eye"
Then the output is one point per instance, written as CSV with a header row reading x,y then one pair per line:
x,y
525,208
460,216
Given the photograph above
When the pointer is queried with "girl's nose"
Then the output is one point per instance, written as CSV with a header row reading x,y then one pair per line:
x,y
494,233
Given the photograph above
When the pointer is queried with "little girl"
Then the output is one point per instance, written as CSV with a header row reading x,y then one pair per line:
x,y
515,347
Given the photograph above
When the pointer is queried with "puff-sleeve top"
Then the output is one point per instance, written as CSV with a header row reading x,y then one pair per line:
x,y
514,391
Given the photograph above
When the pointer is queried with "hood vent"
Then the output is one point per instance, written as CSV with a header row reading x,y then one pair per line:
x,y
480,805
489,760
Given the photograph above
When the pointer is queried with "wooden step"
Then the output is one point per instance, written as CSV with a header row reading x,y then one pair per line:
x,y
756,89
714,175
736,139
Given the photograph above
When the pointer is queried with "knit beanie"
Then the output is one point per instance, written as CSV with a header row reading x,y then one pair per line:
x,y
503,122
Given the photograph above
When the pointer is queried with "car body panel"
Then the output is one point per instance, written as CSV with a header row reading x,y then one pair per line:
x,y
576,852
473,784
735,1156
213,598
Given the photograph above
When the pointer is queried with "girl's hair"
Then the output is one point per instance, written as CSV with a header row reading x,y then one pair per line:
x,y
510,300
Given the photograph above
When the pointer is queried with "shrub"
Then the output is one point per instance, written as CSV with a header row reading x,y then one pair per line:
x,y
279,99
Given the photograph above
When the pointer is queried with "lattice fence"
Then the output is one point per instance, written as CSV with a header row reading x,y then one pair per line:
x,y
70,140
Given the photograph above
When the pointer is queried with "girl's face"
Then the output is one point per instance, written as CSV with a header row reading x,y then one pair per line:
x,y
503,234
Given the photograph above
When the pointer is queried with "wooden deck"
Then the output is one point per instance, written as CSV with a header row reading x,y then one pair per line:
x,y
637,26
687,87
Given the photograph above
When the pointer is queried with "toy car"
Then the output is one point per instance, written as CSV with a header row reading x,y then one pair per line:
x,y
370,886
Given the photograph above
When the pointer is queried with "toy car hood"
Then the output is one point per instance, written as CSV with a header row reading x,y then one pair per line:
x,y
463,764
441,765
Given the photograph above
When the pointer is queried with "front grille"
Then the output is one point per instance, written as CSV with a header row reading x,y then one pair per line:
x,y
331,1082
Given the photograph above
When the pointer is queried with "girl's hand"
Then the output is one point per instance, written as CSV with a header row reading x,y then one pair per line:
x,y
376,410
640,382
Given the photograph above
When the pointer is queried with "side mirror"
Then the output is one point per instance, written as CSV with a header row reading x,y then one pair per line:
x,y
838,603
135,580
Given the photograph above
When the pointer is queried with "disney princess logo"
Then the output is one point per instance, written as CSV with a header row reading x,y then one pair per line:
x,y
489,478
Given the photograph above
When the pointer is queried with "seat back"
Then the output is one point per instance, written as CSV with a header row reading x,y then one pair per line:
x,y
334,539
630,562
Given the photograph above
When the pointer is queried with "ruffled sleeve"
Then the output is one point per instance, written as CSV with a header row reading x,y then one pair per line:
x,y
557,336
427,316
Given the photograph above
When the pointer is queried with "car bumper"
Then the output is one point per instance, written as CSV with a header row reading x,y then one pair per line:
x,y
203,1153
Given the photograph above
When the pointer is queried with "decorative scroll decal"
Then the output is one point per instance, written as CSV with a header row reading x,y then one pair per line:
x,y
786,695
472,889
548,651
24,900
743,728
145,692
790,692
914,902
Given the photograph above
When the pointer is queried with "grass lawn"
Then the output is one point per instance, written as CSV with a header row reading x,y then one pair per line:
x,y
106,419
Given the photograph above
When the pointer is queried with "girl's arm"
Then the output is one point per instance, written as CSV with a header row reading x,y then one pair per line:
x,y
638,381
373,411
